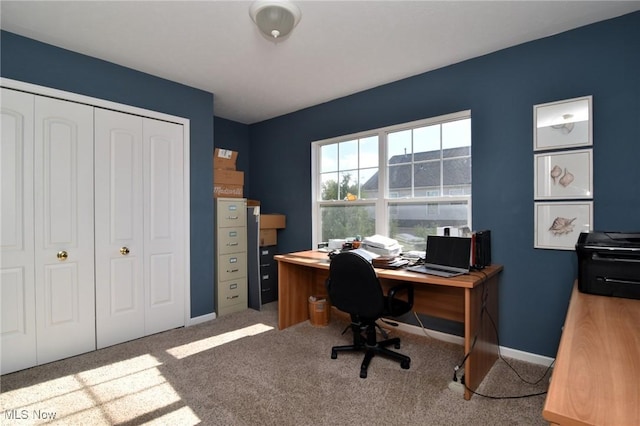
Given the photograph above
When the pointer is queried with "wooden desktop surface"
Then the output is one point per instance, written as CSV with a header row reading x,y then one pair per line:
x,y
596,379
460,299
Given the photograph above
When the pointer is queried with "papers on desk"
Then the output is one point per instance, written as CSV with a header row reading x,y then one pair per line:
x,y
382,245
365,254
389,262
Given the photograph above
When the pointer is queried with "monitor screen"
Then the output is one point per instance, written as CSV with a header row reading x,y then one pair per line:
x,y
448,251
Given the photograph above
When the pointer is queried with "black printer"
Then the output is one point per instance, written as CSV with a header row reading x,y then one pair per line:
x,y
609,263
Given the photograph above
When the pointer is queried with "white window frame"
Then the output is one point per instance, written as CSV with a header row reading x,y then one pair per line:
x,y
383,201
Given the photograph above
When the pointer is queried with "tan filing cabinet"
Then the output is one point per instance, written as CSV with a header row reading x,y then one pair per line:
x,y
231,254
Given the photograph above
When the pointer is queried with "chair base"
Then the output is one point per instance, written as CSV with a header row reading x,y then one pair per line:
x,y
372,348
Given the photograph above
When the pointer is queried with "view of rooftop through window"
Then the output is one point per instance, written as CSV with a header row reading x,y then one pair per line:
x,y
404,181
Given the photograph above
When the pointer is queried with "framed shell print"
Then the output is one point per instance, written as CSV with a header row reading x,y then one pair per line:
x,y
558,224
563,124
563,175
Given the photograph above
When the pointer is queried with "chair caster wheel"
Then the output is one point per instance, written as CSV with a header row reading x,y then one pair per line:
x,y
334,355
405,365
363,374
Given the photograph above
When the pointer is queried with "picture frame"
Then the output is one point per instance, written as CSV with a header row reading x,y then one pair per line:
x,y
563,175
563,124
558,224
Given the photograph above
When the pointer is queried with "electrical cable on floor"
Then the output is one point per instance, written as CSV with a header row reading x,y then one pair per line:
x,y
495,329
484,310
424,330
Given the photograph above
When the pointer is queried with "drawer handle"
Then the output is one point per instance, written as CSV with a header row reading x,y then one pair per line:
x,y
232,270
233,297
231,244
232,217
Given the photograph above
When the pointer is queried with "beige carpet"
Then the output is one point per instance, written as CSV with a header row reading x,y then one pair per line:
x,y
240,370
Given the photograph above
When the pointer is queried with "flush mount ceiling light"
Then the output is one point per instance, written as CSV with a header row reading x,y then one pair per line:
x,y
275,19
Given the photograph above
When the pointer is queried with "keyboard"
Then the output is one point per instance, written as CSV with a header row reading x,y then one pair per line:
x,y
433,271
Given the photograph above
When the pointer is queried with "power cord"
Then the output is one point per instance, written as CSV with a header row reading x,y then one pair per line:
x,y
424,330
485,295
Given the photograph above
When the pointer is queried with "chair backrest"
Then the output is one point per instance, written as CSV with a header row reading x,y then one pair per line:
x,y
353,286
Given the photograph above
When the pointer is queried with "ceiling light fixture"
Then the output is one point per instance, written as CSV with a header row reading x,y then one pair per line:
x,y
275,19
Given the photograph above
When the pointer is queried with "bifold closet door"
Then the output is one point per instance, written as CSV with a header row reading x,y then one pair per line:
x,y
17,281
139,226
47,230
63,224
119,228
164,225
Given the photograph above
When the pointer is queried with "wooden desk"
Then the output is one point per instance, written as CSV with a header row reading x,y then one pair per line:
x,y
460,299
596,379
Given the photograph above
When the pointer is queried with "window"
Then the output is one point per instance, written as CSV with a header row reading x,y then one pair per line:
x,y
403,181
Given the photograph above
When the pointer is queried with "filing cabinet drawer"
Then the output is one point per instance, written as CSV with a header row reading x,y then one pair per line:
x,y
269,283
232,240
232,292
232,213
232,266
267,253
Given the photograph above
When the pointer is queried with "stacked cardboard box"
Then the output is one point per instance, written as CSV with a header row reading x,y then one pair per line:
x,y
227,181
269,225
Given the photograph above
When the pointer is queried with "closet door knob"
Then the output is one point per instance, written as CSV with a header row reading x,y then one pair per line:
x,y
62,255
124,251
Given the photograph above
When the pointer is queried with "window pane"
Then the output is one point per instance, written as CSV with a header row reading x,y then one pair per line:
x,y
427,179
369,183
348,185
329,188
411,223
328,158
456,133
369,152
457,176
426,139
347,221
400,181
348,155
399,147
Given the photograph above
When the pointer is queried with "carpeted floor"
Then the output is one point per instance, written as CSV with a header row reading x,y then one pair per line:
x,y
240,370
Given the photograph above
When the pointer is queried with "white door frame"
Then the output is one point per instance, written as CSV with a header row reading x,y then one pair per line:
x,y
74,97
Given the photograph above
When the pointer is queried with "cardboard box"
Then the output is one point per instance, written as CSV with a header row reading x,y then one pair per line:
x,y
224,159
225,190
268,237
230,177
272,221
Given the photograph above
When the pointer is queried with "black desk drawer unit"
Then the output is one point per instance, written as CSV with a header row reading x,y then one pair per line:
x,y
268,274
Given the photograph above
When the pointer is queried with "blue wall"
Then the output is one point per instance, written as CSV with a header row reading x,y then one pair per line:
x,y
500,89
38,63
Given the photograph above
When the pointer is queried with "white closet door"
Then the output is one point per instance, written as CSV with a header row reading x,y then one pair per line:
x,y
119,228
64,256
17,282
164,225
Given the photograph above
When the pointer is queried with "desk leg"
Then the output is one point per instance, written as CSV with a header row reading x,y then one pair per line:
x,y
485,352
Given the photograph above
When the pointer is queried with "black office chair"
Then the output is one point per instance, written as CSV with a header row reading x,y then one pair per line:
x,y
353,287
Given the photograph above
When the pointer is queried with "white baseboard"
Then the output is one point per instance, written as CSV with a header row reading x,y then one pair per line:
x,y
201,319
505,352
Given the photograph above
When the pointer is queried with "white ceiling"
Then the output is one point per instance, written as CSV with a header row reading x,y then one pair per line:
x,y
338,48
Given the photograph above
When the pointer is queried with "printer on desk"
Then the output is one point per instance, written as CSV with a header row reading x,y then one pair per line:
x,y
609,263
